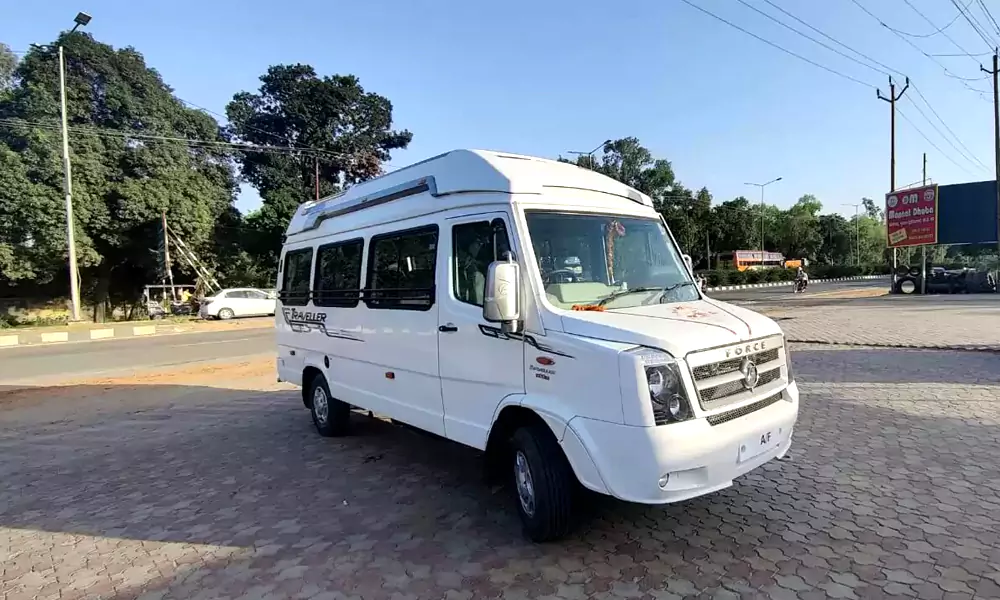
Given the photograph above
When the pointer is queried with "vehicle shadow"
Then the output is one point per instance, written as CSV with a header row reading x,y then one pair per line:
x,y
228,492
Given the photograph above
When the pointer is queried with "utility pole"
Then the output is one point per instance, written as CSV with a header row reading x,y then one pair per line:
x,y
316,164
892,150
996,142
74,283
923,249
166,254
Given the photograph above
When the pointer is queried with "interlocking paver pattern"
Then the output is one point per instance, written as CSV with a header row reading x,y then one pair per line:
x,y
892,490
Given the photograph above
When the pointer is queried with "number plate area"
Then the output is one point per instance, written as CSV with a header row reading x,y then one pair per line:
x,y
763,441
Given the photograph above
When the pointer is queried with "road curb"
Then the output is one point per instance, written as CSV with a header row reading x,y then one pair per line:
x,y
747,286
992,349
112,331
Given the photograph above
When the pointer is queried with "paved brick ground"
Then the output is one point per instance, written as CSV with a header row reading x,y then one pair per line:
x,y
914,322
218,488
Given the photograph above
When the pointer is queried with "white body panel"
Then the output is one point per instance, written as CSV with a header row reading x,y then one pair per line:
x,y
444,369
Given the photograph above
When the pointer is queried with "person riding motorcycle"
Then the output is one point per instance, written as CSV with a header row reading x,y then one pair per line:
x,y
801,279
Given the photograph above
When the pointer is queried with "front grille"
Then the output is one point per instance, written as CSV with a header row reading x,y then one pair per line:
x,y
720,383
735,387
743,411
728,366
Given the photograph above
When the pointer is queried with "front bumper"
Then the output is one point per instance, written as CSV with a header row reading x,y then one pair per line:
x,y
671,463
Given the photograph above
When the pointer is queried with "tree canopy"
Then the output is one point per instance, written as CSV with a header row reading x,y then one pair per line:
x,y
125,173
705,229
333,129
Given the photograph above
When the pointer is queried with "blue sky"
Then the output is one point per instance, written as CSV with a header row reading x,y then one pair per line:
x,y
548,77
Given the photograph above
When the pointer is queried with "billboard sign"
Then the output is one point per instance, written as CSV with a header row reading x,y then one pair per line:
x,y
911,217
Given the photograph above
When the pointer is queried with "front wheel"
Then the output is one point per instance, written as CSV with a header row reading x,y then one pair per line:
x,y
226,313
544,484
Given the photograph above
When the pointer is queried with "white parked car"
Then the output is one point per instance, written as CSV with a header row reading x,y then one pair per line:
x,y
537,311
238,302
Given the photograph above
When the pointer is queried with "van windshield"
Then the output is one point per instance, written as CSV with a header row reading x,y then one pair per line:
x,y
607,260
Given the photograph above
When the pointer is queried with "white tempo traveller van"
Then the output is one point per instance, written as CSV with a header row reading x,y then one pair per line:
x,y
537,311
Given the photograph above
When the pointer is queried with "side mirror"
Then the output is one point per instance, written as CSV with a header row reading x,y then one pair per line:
x,y
687,261
502,299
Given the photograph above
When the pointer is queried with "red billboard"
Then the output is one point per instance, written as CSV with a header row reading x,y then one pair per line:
x,y
911,217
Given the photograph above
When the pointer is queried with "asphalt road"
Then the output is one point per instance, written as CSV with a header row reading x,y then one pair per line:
x,y
35,364
783,293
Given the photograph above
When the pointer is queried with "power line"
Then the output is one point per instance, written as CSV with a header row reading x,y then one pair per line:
x,y
974,23
967,154
933,145
945,34
810,38
989,15
947,72
964,150
778,47
838,42
194,142
976,55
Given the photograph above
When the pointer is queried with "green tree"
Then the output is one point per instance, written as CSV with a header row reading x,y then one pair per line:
x,y
125,174
798,231
338,128
838,240
8,67
732,226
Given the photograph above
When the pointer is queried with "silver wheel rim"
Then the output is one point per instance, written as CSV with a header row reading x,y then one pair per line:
x,y
908,287
525,485
321,405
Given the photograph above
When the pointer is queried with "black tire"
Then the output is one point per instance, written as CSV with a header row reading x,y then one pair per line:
x,y
902,271
907,285
225,314
549,515
914,272
331,417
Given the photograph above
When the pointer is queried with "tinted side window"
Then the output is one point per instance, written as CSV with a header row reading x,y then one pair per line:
x,y
338,274
475,246
401,269
295,279
255,295
237,294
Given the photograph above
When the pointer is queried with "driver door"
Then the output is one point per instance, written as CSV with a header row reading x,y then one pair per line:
x,y
479,366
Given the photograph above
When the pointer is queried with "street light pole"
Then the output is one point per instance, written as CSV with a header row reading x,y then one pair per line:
x,y
857,233
762,186
74,283
591,153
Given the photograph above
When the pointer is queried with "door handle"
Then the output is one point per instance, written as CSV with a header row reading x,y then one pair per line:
x,y
449,328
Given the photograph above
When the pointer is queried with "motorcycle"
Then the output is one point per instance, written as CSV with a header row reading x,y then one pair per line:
x,y
800,285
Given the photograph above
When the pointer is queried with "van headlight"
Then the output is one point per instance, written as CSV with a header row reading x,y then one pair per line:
x,y
666,388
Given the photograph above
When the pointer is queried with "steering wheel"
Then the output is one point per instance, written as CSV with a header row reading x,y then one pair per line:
x,y
568,276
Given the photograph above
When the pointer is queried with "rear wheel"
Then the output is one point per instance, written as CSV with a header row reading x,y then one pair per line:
x,y
544,484
330,416
226,313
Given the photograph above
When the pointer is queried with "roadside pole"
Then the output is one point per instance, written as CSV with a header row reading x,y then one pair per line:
x,y
996,143
74,281
923,249
892,154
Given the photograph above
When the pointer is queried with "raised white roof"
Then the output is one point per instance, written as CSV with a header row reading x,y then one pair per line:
x,y
461,171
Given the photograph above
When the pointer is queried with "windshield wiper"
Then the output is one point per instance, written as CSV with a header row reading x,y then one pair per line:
x,y
621,293
673,287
